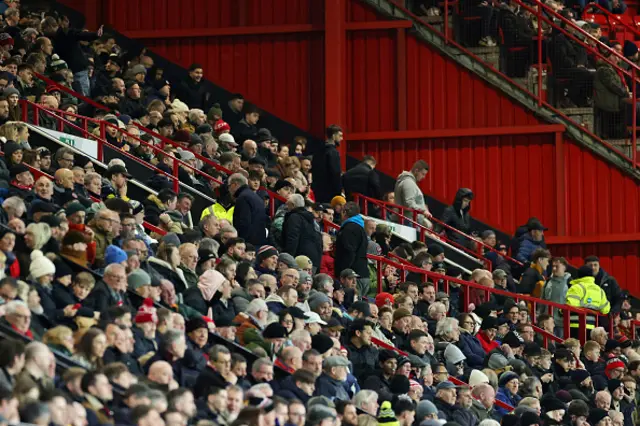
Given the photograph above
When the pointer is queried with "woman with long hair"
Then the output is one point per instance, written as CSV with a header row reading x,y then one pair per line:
x,y
91,347
165,264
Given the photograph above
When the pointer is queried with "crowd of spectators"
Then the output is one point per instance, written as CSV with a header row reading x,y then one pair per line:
x,y
231,317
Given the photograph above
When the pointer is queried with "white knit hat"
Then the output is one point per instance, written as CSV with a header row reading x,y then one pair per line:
x,y
40,265
477,377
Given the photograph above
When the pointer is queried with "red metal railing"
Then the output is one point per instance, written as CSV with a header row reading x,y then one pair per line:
x,y
400,211
545,14
614,22
101,142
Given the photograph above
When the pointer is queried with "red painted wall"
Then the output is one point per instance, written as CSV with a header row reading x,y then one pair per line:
x,y
514,177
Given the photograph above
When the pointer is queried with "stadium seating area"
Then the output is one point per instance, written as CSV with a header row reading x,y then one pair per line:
x,y
169,261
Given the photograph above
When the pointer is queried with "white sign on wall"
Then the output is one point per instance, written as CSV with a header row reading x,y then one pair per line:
x,y
405,232
87,146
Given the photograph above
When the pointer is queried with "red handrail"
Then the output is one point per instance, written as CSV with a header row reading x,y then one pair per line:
x,y
445,34
387,206
612,19
37,108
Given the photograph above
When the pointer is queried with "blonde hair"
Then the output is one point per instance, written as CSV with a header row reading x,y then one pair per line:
x,y
9,131
56,335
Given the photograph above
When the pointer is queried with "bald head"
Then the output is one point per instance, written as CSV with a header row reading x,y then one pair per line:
x,y
292,356
250,148
64,178
160,372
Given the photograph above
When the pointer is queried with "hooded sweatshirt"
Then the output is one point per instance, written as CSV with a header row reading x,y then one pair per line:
x,y
408,192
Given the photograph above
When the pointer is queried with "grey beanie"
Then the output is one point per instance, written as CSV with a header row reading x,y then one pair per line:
x,y
317,299
137,279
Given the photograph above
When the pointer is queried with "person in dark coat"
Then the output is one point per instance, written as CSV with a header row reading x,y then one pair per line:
x,y
325,167
363,356
193,91
66,42
247,127
249,215
132,104
109,292
569,61
331,381
201,297
218,366
608,283
362,179
300,232
297,386
515,49
457,216
351,247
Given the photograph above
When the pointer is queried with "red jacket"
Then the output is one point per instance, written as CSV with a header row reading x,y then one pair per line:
x,y
327,264
487,345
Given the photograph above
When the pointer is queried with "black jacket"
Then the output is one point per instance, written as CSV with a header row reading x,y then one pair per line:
x,y
528,281
67,46
112,354
326,170
458,218
351,249
300,237
195,95
192,297
515,30
565,54
611,289
63,297
100,299
290,391
363,359
208,378
250,216
132,107
220,311
361,179
243,131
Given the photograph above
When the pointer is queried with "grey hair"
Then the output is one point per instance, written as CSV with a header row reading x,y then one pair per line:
x,y
363,397
172,336
298,335
238,179
320,280
258,363
110,269
296,201
12,307
597,331
90,177
216,350
116,162
14,203
446,326
209,244
489,422
194,114
435,306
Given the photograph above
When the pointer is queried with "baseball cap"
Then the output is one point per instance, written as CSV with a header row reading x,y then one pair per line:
x,y
312,317
349,273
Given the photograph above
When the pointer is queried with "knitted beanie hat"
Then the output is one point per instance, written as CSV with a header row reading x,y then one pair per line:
x,y
387,417
40,265
114,254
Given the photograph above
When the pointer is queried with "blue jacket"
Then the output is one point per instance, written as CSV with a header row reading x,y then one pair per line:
x,y
527,247
290,391
332,389
507,397
250,216
472,349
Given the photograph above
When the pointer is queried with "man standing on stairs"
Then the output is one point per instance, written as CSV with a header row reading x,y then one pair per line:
x,y
325,166
608,283
409,194
249,214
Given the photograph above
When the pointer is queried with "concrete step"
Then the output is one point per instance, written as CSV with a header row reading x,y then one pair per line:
x,y
490,55
583,116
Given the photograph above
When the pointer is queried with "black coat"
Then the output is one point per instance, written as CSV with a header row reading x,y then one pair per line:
x,y
351,249
362,179
458,218
515,30
63,297
192,297
132,107
67,46
611,289
100,299
364,360
250,216
326,170
206,379
290,391
565,54
243,131
112,354
220,311
300,237
195,95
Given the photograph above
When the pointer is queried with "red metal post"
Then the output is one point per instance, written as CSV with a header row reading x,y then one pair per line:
x,y
566,325
176,181
379,275
634,114
401,78
334,63
446,21
25,112
539,54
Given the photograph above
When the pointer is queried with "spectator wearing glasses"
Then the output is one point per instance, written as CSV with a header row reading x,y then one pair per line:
x,y
111,291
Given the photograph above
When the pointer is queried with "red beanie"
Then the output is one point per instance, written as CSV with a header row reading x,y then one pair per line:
x,y
221,126
143,317
6,39
612,364
381,299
